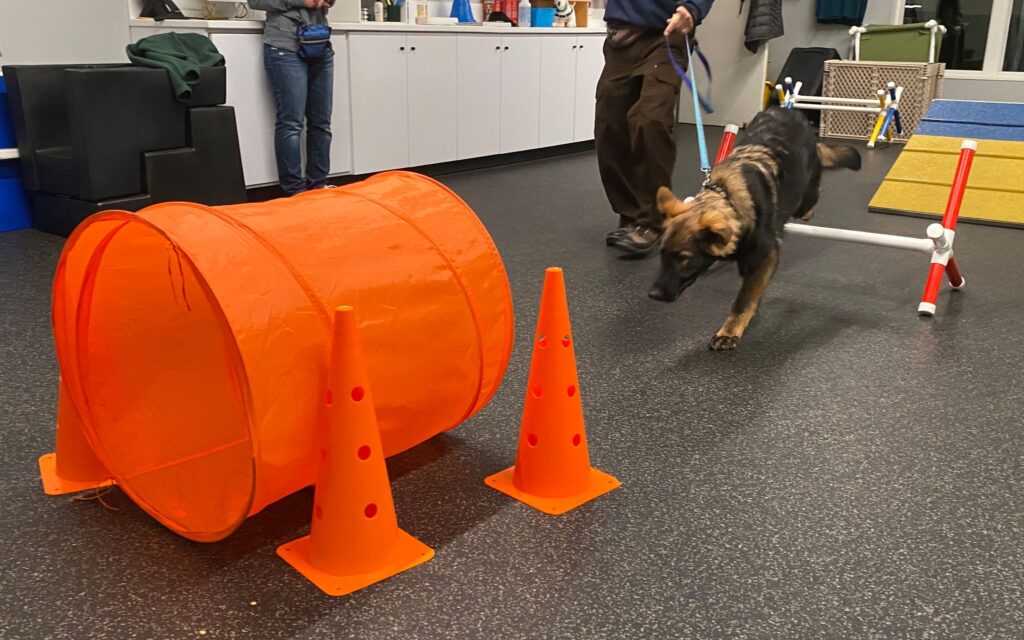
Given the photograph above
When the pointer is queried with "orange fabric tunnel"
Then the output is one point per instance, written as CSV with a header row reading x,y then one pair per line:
x,y
193,340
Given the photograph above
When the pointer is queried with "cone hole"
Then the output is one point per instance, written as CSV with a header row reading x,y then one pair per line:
x,y
318,512
364,452
531,439
323,455
542,340
571,390
538,391
576,440
370,510
358,393
329,398
565,341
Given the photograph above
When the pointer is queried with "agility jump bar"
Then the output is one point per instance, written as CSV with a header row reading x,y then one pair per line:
x,y
938,240
885,106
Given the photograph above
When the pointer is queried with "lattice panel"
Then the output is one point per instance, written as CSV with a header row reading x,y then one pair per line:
x,y
922,83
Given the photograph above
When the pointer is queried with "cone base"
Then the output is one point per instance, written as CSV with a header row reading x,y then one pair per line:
x,y
409,552
600,484
54,485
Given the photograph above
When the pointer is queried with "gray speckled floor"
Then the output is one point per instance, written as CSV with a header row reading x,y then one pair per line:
x,y
852,471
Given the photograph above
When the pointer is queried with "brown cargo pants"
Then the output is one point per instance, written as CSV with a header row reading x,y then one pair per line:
x,y
635,116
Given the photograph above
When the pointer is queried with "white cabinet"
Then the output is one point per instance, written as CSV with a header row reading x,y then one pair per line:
x,y
558,89
499,80
341,113
380,116
479,95
431,67
403,100
249,92
589,64
520,93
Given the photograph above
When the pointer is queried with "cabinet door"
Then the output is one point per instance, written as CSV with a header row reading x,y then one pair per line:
x,y
341,113
249,92
478,95
589,64
520,92
557,89
431,65
380,117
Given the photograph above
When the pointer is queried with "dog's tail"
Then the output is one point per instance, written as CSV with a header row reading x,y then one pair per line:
x,y
843,156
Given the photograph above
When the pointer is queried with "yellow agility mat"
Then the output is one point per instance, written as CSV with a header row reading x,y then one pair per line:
x,y
918,182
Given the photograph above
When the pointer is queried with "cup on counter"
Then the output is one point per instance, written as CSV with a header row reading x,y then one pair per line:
x,y
393,12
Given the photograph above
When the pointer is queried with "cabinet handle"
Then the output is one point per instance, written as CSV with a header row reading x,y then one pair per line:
x,y
497,48
506,48
581,46
401,48
574,47
413,48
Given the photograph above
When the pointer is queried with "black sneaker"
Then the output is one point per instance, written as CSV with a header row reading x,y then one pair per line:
x,y
640,241
614,235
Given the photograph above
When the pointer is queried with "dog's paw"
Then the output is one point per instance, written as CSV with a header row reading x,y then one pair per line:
x,y
723,343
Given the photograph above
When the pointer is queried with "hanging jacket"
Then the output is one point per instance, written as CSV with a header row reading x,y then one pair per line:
x,y
181,54
764,22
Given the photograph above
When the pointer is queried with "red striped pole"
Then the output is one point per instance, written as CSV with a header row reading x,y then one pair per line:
x,y
728,139
942,258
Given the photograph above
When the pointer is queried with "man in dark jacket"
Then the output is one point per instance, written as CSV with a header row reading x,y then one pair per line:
x,y
636,99
303,90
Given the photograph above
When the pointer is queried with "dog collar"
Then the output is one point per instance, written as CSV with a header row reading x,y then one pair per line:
x,y
711,186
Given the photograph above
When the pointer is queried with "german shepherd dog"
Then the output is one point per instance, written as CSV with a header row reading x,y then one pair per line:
x,y
772,176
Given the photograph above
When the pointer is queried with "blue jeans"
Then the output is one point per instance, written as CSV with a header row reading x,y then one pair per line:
x,y
302,89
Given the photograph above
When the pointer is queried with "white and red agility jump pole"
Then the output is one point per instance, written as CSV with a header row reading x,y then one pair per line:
x,y
939,240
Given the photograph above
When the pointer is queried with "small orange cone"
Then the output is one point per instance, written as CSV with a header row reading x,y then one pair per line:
x,y
73,466
354,540
552,471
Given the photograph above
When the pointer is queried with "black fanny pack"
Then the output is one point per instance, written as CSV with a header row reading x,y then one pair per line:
x,y
314,41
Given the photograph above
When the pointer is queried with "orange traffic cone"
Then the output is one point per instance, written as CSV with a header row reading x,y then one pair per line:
x,y
552,471
354,540
73,466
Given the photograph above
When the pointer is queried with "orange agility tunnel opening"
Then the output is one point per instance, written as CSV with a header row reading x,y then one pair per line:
x,y
194,340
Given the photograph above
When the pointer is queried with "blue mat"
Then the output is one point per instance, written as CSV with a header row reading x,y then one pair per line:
x,y
978,120
996,113
970,130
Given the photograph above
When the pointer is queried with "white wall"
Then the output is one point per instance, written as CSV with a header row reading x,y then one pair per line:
x,y
995,90
58,31
802,30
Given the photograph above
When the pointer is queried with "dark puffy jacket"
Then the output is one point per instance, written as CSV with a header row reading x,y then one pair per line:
x,y
763,23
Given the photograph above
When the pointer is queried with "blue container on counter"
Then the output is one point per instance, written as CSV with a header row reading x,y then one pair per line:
x,y
542,16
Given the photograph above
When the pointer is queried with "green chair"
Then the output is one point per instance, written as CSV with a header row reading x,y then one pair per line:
x,y
898,43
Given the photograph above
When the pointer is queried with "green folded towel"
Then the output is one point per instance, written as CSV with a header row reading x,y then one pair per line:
x,y
181,54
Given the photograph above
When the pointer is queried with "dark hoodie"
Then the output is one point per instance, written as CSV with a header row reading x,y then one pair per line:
x,y
653,14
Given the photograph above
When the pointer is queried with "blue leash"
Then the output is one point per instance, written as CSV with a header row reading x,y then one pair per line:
x,y
690,80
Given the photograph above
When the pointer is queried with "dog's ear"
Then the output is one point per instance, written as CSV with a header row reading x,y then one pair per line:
x,y
720,232
669,204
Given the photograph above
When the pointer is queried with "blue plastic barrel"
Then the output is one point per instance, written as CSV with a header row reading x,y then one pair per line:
x,y
14,211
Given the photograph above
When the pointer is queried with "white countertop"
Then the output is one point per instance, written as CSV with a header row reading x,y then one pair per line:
x,y
257,25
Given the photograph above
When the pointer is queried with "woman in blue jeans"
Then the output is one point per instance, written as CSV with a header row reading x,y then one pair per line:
x,y
303,88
